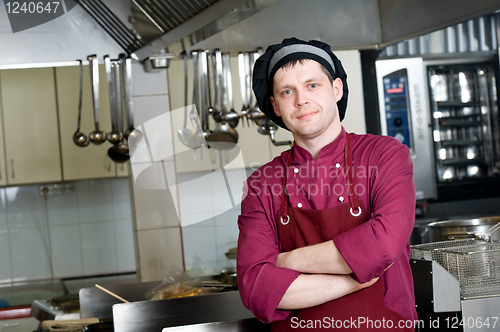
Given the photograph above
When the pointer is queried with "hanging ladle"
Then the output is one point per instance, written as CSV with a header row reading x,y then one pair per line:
x,y
119,152
79,138
96,137
115,136
190,138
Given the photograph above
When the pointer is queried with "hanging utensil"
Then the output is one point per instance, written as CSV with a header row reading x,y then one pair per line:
x,y
243,85
79,138
231,117
96,137
254,113
119,152
115,136
205,95
219,86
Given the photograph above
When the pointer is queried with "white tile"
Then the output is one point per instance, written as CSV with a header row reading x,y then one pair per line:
x,y
125,245
159,251
149,107
154,208
5,270
3,211
94,200
148,83
66,251
158,131
29,248
199,246
98,248
24,207
120,189
226,235
63,209
195,190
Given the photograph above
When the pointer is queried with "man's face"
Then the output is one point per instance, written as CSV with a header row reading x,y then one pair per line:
x,y
306,100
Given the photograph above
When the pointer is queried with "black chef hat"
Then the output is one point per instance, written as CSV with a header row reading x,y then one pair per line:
x,y
293,49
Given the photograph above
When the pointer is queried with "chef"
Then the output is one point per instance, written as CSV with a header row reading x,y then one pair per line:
x,y
324,227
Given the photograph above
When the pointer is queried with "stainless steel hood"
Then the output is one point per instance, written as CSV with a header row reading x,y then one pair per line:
x,y
159,26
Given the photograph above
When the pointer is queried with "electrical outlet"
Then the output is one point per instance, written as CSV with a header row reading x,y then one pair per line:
x,y
57,189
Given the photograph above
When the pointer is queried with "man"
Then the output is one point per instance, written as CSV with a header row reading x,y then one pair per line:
x,y
331,250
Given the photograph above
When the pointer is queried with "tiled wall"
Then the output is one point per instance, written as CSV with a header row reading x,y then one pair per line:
x,y
206,242
88,232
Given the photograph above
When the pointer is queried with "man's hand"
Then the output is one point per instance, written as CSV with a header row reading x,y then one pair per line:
x,y
319,258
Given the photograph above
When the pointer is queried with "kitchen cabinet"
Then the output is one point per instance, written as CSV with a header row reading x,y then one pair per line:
x,y
31,130
3,174
92,161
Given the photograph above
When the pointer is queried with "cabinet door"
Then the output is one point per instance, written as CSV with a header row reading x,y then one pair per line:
x,y
3,173
91,161
30,125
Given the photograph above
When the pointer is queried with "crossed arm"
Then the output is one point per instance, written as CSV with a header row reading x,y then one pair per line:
x,y
327,276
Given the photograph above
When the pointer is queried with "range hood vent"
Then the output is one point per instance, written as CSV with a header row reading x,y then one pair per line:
x,y
159,26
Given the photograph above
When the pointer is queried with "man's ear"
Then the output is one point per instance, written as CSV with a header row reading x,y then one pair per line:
x,y
275,107
338,87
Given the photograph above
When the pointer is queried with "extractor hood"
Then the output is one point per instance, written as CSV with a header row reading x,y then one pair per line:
x,y
148,27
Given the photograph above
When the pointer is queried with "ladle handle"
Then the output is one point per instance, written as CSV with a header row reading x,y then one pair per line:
x,y
127,76
229,80
111,90
185,58
219,81
80,95
243,82
94,77
118,65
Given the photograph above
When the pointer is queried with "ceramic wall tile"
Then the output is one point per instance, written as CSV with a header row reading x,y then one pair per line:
x,y
66,251
5,264
159,251
148,83
98,248
3,211
29,254
199,246
154,208
125,246
24,207
63,209
149,107
120,191
94,201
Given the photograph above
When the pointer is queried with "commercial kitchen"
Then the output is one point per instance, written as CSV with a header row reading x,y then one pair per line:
x,y
128,127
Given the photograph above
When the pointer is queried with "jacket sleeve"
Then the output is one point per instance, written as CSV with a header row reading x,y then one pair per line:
x,y
372,246
260,282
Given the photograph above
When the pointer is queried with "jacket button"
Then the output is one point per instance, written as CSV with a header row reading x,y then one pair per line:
x,y
341,198
337,165
295,170
299,205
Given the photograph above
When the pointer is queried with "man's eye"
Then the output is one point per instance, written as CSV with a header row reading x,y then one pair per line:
x,y
314,85
287,92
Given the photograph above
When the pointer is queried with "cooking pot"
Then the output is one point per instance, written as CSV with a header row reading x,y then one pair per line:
x,y
460,229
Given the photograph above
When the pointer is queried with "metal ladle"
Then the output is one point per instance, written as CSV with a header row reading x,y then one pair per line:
x,y
79,138
119,152
115,136
254,113
231,117
224,137
187,136
96,137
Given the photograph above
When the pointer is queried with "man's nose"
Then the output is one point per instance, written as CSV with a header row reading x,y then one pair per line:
x,y
301,97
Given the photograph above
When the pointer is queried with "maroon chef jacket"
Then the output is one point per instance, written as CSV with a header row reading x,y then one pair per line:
x,y
384,182
363,310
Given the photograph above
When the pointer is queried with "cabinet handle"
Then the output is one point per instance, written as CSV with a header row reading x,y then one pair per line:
x,y
12,165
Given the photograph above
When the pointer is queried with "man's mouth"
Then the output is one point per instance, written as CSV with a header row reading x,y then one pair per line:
x,y
306,115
